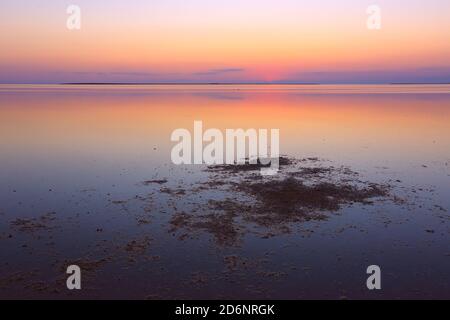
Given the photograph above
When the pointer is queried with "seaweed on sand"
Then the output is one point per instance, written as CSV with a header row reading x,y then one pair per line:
x,y
220,225
290,199
248,165
31,225
297,194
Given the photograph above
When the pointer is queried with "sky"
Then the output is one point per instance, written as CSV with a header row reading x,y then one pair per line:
x,y
280,41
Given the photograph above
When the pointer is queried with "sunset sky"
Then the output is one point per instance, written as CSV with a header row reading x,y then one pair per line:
x,y
324,41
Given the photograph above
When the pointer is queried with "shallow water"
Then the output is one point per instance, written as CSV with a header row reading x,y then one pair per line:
x,y
81,153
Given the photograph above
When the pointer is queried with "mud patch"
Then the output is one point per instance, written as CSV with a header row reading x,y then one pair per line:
x,y
31,225
138,246
291,199
304,190
174,192
150,182
248,165
221,226
85,264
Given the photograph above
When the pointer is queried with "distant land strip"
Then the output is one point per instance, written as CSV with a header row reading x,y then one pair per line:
x,y
244,83
184,83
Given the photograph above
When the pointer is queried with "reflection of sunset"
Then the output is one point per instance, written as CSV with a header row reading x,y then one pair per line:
x,y
347,121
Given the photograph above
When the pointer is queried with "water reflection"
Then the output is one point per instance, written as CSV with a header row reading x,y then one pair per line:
x,y
74,159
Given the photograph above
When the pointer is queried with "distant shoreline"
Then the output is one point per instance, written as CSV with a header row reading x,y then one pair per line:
x,y
245,83
226,84
183,84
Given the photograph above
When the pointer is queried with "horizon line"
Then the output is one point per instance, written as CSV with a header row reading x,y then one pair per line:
x,y
230,83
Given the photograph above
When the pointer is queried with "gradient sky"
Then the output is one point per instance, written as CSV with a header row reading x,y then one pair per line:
x,y
323,41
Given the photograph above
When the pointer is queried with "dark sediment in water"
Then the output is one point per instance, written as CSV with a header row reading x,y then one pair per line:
x,y
297,194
